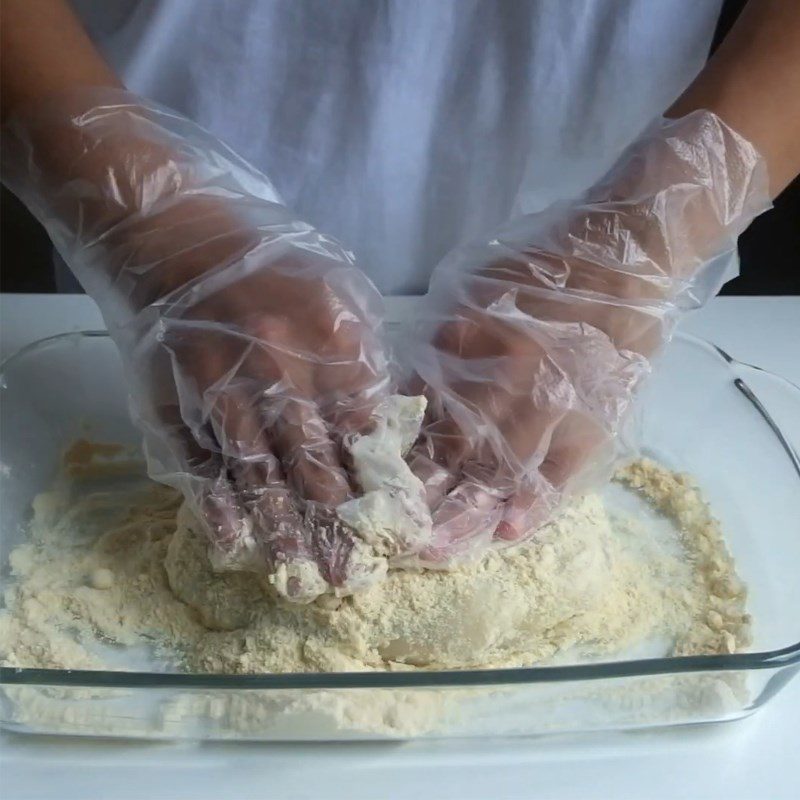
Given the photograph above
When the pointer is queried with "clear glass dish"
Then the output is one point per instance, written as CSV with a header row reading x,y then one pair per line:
x,y
733,426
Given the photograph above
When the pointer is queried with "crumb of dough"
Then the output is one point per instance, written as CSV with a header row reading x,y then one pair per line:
x,y
101,578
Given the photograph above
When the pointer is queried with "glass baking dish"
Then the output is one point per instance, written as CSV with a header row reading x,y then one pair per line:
x,y
734,427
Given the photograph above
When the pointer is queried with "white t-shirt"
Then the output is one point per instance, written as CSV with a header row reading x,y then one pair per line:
x,y
403,127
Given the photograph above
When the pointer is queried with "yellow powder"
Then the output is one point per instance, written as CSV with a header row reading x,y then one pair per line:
x,y
130,567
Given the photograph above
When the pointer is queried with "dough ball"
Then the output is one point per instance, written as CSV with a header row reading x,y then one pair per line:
x,y
101,578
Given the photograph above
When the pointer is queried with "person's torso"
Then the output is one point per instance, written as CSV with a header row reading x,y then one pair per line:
x,y
403,127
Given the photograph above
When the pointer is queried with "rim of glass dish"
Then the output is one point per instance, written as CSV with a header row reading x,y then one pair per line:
x,y
773,659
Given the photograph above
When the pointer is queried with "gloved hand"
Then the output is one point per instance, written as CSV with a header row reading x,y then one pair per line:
x,y
532,344
250,340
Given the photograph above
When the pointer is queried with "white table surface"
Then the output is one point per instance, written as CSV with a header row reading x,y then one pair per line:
x,y
751,758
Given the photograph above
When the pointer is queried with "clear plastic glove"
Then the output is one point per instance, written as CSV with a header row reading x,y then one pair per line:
x,y
250,340
531,345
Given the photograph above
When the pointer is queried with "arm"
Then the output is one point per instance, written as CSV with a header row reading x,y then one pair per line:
x,y
536,340
753,83
44,51
250,340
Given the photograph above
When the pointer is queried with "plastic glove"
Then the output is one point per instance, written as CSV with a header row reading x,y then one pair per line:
x,y
532,344
250,340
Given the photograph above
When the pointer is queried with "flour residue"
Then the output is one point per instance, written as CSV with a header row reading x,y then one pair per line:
x,y
129,566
